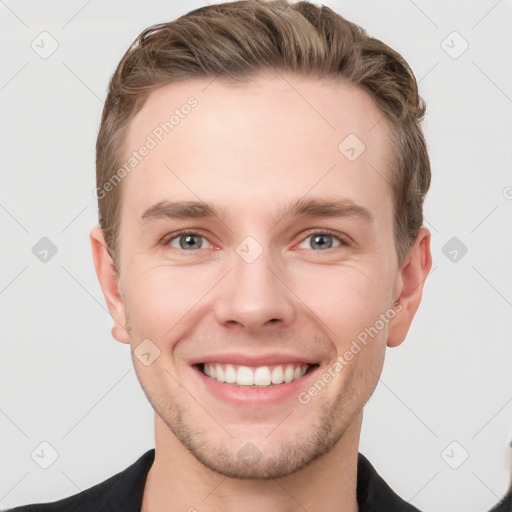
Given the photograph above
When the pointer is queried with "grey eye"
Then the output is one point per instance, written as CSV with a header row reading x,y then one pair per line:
x,y
320,241
187,242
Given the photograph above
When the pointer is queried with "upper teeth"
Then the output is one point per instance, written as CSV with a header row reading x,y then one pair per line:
x,y
260,376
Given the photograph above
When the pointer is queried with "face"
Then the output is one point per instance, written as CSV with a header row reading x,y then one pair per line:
x,y
256,246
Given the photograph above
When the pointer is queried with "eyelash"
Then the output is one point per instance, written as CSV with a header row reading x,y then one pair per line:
x,y
343,242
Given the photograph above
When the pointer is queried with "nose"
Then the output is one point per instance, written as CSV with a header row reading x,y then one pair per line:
x,y
255,296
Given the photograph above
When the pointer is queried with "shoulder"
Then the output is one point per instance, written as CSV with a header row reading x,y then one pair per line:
x,y
374,494
119,492
505,505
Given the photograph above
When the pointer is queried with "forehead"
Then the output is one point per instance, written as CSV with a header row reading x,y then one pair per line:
x,y
276,136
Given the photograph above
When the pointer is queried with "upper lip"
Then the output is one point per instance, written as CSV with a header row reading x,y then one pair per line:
x,y
239,359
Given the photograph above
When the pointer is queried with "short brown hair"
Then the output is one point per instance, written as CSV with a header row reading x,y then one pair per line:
x,y
234,41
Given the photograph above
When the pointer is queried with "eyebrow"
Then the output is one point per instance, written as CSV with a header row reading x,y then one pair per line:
x,y
312,207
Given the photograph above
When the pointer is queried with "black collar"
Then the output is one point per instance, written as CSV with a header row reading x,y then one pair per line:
x,y
374,494
123,492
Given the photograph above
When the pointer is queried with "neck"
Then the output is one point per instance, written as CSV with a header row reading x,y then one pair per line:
x,y
177,478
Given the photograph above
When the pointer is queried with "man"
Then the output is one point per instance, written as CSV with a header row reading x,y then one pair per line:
x,y
261,171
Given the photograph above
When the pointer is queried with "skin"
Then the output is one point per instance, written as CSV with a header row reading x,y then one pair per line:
x,y
253,149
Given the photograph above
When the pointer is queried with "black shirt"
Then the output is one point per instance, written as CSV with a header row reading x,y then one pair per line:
x,y
123,492
505,505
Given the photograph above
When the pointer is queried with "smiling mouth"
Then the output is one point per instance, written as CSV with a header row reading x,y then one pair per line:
x,y
256,377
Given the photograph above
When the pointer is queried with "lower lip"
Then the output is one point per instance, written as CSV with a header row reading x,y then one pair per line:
x,y
254,396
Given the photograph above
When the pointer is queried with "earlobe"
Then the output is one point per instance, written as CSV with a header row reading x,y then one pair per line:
x,y
412,276
108,278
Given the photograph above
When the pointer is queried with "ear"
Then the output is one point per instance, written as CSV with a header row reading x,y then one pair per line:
x,y
411,278
109,282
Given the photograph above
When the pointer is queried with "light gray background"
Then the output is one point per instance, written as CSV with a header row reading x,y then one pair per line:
x,y
66,381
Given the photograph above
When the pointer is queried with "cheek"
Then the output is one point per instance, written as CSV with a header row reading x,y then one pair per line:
x,y
158,298
343,300
347,299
